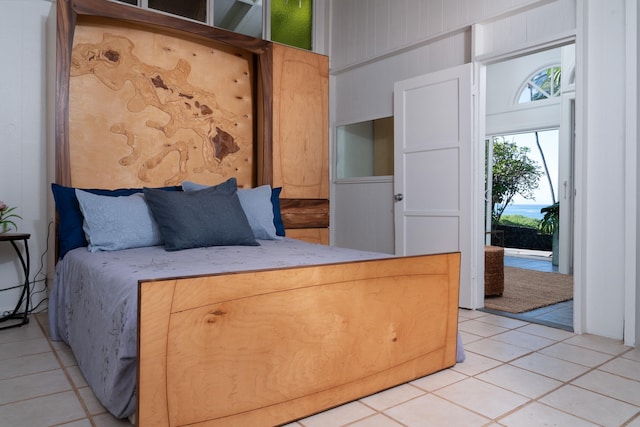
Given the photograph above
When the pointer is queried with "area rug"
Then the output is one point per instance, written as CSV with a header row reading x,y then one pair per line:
x,y
526,290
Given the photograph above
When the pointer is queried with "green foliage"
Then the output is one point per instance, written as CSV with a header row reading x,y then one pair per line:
x,y
514,172
551,219
547,84
6,217
519,221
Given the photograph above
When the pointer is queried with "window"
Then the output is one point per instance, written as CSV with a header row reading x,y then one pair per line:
x,y
240,16
365,149
194,9
544,84
291,20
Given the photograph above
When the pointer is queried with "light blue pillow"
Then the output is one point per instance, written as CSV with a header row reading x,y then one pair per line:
x,y
114,223
257,206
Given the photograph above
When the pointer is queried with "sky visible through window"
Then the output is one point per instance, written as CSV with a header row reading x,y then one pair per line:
x,y
549,143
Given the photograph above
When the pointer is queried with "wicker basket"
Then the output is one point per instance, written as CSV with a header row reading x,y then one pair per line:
x,y
493,270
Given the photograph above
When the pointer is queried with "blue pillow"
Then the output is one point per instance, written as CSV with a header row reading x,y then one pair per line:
x,y
277,215
115,223
259,213
257,206
70,232
192,219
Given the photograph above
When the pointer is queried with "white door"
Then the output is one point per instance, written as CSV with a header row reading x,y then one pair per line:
x,y
566,157
433,167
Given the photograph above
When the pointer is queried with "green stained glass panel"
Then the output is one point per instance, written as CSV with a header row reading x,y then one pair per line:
x,y
291,22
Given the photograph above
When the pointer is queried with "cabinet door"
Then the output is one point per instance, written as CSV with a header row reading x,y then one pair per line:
x,y
301,138
300,123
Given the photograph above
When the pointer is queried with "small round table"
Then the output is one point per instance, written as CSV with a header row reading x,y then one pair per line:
x,y
26,264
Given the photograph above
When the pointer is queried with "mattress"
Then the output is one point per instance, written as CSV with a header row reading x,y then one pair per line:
x,y
94,298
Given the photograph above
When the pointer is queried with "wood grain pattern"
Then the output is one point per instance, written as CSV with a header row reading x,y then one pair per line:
x,y
267,347
165,108
299,162
70,13
301,123
304,213
311,235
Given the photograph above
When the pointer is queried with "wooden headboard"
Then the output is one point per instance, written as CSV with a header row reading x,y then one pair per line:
x,y
147,99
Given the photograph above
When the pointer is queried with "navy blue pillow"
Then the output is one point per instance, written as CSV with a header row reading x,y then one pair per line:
x,y
275,203
70,233
277,216
193,219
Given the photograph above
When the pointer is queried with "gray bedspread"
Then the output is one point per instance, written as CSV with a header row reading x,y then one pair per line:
x,y
93,300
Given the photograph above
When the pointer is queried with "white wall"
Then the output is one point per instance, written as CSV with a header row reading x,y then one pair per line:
x,y
355,150
635,76
375,43
602,147
364,30
504,83
23,163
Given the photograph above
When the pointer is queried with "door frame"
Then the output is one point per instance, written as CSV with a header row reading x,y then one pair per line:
x,y
480,64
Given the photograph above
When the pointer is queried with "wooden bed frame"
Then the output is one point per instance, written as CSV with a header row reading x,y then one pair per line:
x,y
261,347
268,347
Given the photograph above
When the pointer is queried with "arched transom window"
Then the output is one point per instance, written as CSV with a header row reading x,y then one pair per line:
x,y
544,84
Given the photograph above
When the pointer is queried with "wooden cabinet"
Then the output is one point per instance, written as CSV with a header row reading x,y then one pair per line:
x,y
301,141
282,136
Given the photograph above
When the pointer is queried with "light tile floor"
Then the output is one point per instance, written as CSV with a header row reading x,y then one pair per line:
x,y
516,374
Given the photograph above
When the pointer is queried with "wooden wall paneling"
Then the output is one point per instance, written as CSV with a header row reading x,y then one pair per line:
x,y
311,235
305,213
162,107
300,123
301,140
65,23
70,12
291,107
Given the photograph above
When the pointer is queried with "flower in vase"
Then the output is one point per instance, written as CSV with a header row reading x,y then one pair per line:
x,y
6,217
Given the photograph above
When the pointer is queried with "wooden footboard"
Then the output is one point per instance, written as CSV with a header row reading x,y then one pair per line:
x,y
267,347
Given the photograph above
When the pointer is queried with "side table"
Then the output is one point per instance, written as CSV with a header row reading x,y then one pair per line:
x,y
26,264
493,270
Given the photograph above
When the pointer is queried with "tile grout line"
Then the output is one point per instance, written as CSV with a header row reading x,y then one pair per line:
x,y
563,383
74,387
37,372
612,352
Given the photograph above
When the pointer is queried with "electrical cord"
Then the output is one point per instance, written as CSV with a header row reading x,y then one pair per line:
x,y
43,280
33,289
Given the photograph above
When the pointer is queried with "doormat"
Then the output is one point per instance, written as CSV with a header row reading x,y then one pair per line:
x,y
526,290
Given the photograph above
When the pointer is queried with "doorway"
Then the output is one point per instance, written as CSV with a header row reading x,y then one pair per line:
x,y
528,111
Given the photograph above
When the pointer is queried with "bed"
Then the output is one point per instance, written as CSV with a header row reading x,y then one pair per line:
x,y
250,328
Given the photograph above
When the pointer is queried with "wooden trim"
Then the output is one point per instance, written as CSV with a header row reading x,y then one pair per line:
x,y
305,213
265,118
66,23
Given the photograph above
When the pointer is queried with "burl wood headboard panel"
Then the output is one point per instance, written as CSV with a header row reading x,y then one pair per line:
x,y
145,99
158,109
